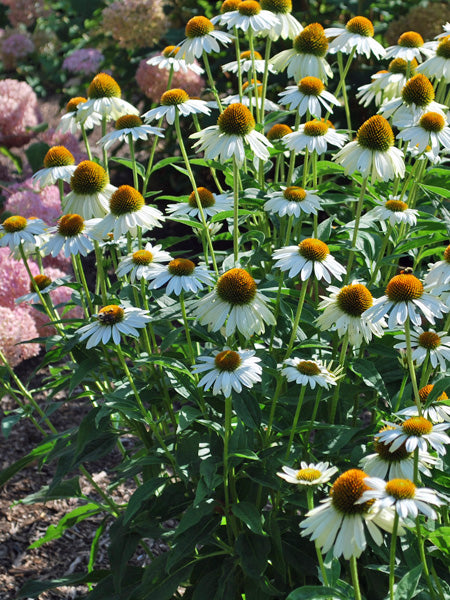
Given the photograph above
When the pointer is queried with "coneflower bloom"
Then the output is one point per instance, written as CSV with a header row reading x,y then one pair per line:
x,y
308,95
138,265
235,128
176,100
394,211
405,298
127,212
314,135
308,257
389,464
287,26
403,496
245,59
373,153
306,58
438,66
309,372
201,37
248,15
236,301
59,163
417,98
72,121
292,201
338,523
168,60
308,474
69,236
126,126
409,46
358,34
180,275
439,273
228,370
415,432
251,96
436,412
112,322
343,312
16,230
430,343
431,131
90,191
386,85
212,204
104,98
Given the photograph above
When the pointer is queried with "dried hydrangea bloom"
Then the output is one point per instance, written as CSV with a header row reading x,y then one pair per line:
x,y
83,60
19,114
29,200
153,80
17,325
135,23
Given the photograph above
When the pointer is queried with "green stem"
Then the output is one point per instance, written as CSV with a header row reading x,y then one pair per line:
x,y
235,212
400,393
266,73
342,359
61,192
80,271
310,502
86,141
386,239
344,92
191,352
296,417
314,412
343,75
105,151
423,558
292,155
133,159
298,314
238,61
412,371
392,556
259,115
359,208
355,579
226,442
211,81
101,281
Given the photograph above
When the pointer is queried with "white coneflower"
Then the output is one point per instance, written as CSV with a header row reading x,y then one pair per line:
x,y
69,236
212,204
138,265
235,128
176,100
309,473
180,275
306,58
405,298
72,121
416,432
59,164
386,85
409,46
439,273
431,131
292,201
128,211
393,210
308,95
430,343
168,60
236,301
111,322
90,191
287,26
373,153
251,96
308,257
417,98
201,37
343,312
126,126
358,34
438,66
16,230
104,98
309,372
249,15
245,59
436,412
338,523
228,370
314,135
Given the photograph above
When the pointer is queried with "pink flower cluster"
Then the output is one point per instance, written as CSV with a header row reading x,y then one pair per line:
x,y
153,81
85,60
19,111
17,325
28,200
14,47
53,137
135,23
24,11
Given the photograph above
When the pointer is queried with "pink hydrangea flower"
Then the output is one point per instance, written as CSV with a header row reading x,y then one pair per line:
x,y
14,278
14,47
19,113
153,81
29,200
84,60
17,325
135,23
24,11
53,137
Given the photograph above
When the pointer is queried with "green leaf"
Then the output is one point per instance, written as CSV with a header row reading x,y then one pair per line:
x,y
70,488
85,367
33,589
17,161
312,592
369,374
406,587
228,214
142,495
157,584
126,162
253,551
23,462
250,515
69,520
35,154
165,162
247,409
441,538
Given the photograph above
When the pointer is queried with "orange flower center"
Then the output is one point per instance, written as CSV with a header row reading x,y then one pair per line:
x,y
249,8
294,193
247,55
58,156
401,489
14,223
418,90
354,299
277,6
278,131
128,122
41,281
313,249
396,205
181,267
360,26
348,488
316,128
73,103
447,254
312,40
206,198
170,51
308,474
432,121
376,134
308,367
310,86
426,391
70,225
198,27
142,257
236,119
229,5
236,287
174,97
403,288
227,360
429,340
443,49
104,86
383,450
410,39
400,65
88,178
125,200
417,426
